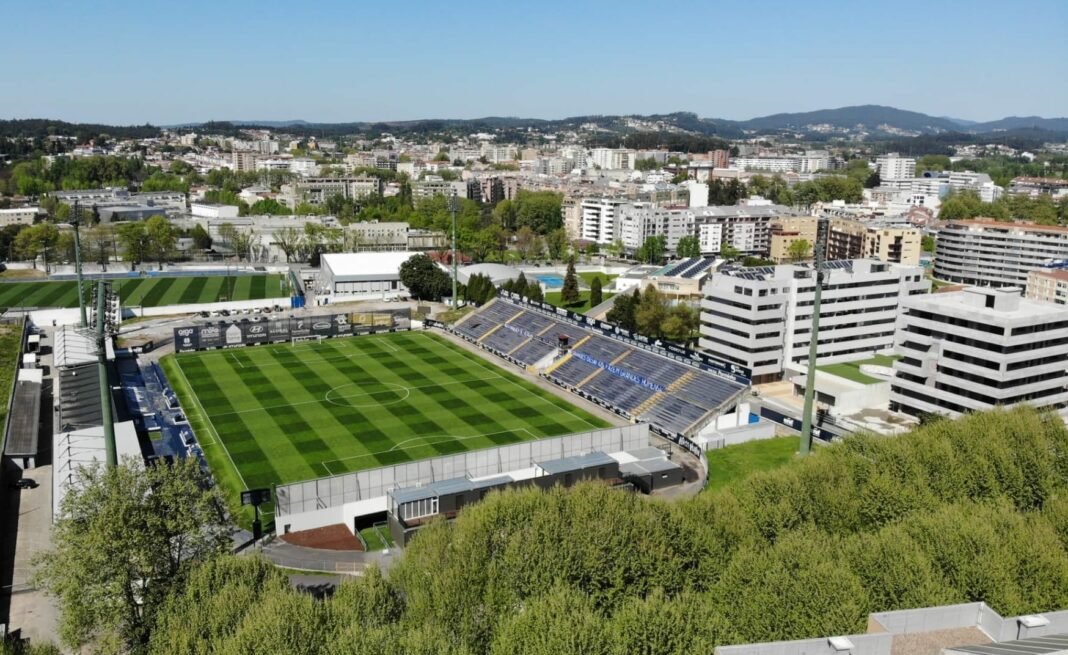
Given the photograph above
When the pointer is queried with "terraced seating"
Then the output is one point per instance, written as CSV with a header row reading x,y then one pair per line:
x,y
657,370
477,325
533,323
622,393
532,351
604,349
504,340
673,414
707,391
573,371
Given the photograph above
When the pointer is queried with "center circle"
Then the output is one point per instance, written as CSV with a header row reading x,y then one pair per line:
x,y
352,395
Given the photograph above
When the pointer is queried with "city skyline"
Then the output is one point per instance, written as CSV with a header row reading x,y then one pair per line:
x,y
240,61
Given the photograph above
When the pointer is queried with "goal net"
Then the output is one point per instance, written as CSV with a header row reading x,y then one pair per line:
x,y
317,338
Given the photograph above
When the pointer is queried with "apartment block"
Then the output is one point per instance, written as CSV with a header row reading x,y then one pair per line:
x,y
894,167
760,317
18,216
316,190
1048,285
996,253
244,160
785,232
979,348
900,244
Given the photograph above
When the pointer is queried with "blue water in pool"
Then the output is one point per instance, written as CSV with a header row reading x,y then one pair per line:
x,y
550,280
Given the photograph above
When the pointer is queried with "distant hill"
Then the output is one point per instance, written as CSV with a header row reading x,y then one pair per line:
x,y
1020,122
680,130
862,116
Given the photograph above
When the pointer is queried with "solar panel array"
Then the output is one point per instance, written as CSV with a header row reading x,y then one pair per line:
x,y
689,268
670,395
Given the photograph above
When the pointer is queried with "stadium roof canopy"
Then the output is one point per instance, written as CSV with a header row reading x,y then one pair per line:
x,y
360,266
498,273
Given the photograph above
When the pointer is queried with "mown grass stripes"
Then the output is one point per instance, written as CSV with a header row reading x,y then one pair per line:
x,y
147,291
292,412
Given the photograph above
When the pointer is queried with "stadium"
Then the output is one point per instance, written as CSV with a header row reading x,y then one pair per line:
x,y
403,420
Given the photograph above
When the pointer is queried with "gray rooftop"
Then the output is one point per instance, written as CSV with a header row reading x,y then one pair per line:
x,y
24,419
1048,645
445,488
576,463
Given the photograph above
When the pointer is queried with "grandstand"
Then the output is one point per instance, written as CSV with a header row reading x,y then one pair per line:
x,y
673,396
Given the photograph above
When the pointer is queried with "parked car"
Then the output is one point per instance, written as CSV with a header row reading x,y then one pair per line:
x,y
24,483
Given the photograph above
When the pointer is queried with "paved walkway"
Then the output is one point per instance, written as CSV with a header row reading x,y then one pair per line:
x,y
330,561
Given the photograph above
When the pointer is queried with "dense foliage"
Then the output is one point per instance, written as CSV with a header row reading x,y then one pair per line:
x,y
424,279
968,510
967,204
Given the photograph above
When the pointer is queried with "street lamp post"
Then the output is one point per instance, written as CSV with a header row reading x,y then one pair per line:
x,y
75,222
810,380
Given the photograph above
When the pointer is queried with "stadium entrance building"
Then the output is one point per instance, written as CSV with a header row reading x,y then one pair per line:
x,y
362,273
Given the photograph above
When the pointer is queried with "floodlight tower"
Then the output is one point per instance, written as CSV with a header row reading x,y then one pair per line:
x,y
819,250
454,207
76,220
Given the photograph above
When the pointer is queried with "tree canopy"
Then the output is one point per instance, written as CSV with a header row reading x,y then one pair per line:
x,y
424,279
957,511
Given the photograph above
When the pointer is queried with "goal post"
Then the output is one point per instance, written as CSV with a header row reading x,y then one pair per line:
x,y
317,338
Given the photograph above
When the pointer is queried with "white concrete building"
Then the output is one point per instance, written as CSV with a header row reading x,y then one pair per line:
x,y
213,210
979,348
996,253
362,274
18,216
761,317
599,219
895,167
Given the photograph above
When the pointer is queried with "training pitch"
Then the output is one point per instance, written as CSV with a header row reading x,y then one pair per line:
x,y
148,291
290,412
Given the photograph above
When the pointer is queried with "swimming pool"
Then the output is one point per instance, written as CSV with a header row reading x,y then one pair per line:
x,y
550,280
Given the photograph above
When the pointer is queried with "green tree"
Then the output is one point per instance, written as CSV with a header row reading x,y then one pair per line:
x,y
134,241
688,246
37,241
624,310
562,621
651,313
569,294
799,250
162,239
268,206
596,294
927,243
556,243
125,537
727,251
424,279
200,236
681,323
652,249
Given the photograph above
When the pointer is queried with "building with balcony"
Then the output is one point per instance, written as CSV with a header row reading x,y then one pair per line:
x,y
1049,285
761,317
888,242
976,349
992,253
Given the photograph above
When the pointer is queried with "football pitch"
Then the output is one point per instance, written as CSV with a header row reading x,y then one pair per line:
x,y
289,412
148,291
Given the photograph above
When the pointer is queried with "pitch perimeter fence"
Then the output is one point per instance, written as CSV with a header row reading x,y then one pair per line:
x,y
336,490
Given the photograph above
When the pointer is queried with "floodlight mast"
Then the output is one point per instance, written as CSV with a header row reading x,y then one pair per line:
x,y
819,250
453,208
102,373
75,222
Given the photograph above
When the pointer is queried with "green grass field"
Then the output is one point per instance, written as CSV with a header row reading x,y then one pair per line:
x,y
736,462
851,370
148,291
555,298
288,412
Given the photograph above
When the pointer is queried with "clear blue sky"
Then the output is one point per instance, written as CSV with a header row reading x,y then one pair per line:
x,y
341,60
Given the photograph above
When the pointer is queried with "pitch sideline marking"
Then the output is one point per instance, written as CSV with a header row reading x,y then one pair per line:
x,y
211,424
537,396
325,463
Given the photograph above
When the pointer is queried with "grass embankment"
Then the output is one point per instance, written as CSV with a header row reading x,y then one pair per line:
x,y
851,370
9,350
736,462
